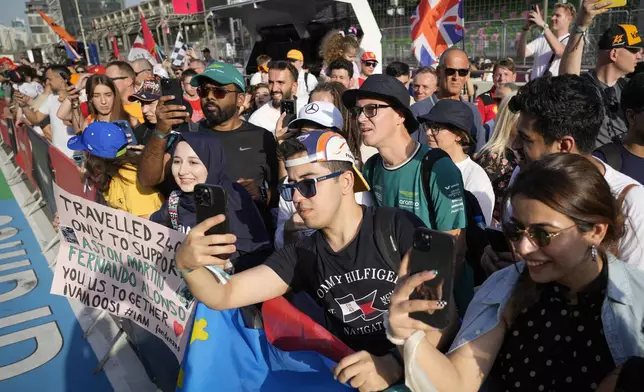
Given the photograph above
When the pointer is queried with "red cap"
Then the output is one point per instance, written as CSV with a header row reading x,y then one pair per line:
x,y
7,60
369,56
96,70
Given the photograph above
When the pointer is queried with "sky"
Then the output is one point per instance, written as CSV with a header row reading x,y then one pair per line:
x,y
12,9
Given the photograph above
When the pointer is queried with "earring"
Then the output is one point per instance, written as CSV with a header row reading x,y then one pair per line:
x,y
593,252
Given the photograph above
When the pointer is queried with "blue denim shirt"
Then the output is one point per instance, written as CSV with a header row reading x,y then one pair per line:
x,y
622,310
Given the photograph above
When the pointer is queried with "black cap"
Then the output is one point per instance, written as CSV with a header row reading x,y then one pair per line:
x,y
385,88
453,113
620,36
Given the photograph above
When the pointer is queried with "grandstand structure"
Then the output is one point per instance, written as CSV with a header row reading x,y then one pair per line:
x,y
491,28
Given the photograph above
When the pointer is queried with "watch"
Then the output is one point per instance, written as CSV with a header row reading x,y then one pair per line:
x,y
545,27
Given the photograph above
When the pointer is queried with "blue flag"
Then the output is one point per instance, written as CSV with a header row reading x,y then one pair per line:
x,y
224,355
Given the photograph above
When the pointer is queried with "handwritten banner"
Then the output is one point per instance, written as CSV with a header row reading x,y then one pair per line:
x,y
115,261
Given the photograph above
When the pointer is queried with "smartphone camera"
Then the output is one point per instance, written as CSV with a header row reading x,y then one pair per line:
x,y
423,241
202,196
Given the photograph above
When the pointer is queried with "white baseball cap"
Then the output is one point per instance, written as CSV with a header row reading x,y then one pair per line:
x,y
322,113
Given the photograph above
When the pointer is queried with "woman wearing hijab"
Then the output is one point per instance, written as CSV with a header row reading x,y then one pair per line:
x,y
198,158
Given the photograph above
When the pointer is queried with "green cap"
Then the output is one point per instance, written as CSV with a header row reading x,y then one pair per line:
x,y
222,73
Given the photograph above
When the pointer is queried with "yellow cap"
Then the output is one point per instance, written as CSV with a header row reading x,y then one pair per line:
x,y
295,54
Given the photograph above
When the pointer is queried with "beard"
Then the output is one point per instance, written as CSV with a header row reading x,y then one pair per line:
x,y
219,115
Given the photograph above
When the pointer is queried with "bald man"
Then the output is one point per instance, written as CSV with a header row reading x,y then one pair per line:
x,y
143,70
453,73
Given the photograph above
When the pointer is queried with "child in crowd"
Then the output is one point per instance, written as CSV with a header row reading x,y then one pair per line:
x,y
111,167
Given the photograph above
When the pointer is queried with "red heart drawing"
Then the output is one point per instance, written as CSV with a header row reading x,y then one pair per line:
x,y
178,329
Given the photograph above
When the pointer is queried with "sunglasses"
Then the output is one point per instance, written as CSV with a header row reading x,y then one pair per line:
x,y
370,110
307,188
218,92
539,236
462,72
370,63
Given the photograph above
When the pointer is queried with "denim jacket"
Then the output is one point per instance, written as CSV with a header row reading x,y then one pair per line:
x,y
622,310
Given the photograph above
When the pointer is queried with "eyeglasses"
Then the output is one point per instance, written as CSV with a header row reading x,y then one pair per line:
x,y
369,110
307,188
218,92
435,129
143,70
462,72
539,236
370,63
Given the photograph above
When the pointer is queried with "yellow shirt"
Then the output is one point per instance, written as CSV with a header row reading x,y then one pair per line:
x,y
126,194
134,110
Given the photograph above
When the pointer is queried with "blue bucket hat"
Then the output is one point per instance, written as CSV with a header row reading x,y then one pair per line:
x,y
101,139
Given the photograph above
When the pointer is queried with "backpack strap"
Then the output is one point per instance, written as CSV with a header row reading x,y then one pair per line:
x,y
624,193
384,230
173,209
426,167
306,81
612,154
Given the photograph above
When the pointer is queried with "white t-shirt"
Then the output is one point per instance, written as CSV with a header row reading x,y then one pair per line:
x,y
631,246
302,93
60,133
256,78
287,209
541,52
266,117
475,180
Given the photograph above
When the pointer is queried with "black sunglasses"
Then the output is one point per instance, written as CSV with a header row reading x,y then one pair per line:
x,y
539,236
218,92
370,63
307,188
462,72
369,110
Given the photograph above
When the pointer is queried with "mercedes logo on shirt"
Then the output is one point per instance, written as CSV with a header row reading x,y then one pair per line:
x,y
312,108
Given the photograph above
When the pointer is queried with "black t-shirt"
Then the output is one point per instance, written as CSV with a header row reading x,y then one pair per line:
x,y
251,152
354,286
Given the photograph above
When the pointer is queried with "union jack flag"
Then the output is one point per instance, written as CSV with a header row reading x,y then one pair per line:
x,y
435,26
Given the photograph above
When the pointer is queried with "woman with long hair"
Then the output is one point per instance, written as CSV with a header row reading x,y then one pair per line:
x,y
338,45
111,167
565,318
497,157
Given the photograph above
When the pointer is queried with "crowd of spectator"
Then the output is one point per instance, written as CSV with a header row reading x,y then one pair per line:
x,y
314,168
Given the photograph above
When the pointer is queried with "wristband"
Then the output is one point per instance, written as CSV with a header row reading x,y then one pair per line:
x,y
184,272
545,27
393,340
162,136
579,30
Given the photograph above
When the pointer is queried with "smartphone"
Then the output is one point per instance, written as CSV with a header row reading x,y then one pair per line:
x,y
497,239
172,87
287,106
433,250
211,200
616,3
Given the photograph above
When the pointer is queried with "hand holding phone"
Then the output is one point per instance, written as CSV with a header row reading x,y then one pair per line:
x,y
433,251
287,106
211,200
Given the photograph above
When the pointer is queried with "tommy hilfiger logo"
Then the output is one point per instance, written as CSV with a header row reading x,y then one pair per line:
x,y
353,309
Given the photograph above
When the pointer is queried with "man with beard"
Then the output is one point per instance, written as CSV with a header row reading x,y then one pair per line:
x,y
282,81
251,152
